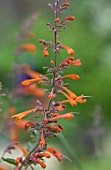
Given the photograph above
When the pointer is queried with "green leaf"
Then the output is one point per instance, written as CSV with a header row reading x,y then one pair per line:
x,y
10,161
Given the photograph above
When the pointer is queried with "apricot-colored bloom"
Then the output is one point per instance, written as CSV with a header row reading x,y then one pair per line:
x,y
55,114
19,116
28,124
68,49
28,47
66,4
21,124
71,76
25,152
45,52
59,108
67,61
64,116
70,18
42,141
42,164
80,99
55,128
30,81
76,62
57,20
45,119
71,94
41,41
55,153
40,155
51,95
18,160
70,100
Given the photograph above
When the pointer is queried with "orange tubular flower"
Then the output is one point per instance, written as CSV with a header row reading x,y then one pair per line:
x,y
28,124
54,152
40,155
59,108
19,116
70,100
42,164
21,124
51,95
45,52
28,82
55,114
42,141
70,18
55,128
67,116
57,20
25,152
80,99
71,94
76,62
18,160
66,4
68,49
28,47
71,76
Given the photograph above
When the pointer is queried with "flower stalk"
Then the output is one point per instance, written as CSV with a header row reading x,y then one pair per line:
x,y
48,126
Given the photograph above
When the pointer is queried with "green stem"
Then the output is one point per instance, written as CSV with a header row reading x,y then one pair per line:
x,y
55,60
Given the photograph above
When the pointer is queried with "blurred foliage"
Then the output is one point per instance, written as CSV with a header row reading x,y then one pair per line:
x,y
89,35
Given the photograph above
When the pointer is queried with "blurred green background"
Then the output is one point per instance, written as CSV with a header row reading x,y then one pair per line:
x,y
90,36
